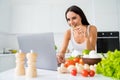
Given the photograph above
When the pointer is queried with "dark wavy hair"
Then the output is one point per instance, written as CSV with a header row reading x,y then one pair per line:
x,y
78,11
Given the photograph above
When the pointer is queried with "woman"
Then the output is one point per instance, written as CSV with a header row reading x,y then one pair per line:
x,y
81,34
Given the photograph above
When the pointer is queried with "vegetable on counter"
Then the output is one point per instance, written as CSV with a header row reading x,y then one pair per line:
x,y
110,66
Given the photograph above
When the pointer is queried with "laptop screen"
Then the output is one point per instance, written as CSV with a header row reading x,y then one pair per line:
x,y
42,44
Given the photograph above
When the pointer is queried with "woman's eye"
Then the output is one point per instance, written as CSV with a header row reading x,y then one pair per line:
x,y
68,19
74,18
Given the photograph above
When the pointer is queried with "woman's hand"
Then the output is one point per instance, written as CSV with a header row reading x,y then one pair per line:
x,y
79,32
60,58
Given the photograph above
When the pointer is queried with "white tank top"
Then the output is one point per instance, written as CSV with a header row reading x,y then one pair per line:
x,y
77,48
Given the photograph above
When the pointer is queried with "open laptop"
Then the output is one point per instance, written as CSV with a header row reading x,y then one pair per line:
x,y
42,44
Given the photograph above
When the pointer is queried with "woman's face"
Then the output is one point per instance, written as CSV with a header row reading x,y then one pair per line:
x,y
73,19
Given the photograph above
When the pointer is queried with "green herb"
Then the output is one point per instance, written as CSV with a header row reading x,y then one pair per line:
x,y
71,58
103,55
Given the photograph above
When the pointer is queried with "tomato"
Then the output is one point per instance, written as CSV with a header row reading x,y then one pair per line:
x,y
76,60
66,64
69,62
85,73
81,62
91,73
74,72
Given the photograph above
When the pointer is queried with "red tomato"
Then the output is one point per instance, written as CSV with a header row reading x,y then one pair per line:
x,y
69,62
85,73
91,73
76,60
66,64
81,62
73,72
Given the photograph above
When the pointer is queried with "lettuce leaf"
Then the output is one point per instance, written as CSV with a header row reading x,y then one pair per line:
x,y
110,66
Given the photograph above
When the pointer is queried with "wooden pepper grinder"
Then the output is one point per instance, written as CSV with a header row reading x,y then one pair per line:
x,y
31,62
20,60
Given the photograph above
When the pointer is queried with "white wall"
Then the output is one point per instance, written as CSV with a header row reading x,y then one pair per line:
x,y
36,16
106,15
5,15
118,7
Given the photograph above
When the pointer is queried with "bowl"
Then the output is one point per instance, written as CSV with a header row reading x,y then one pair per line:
x,y
91,61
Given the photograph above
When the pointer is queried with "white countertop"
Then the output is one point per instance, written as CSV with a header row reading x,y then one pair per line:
x,y
49,75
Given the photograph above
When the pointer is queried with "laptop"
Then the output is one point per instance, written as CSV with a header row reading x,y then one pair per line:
x,y
42,44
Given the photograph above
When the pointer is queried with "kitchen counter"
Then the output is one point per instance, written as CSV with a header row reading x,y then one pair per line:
x,y
49,75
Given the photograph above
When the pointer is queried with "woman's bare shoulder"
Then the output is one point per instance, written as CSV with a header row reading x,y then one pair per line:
x,y
68,33
93,28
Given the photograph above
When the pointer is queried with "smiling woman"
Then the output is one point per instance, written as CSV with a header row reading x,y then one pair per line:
x,y
81,34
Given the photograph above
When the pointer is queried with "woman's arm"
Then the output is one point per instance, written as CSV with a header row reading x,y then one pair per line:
x,y
64,46
92,38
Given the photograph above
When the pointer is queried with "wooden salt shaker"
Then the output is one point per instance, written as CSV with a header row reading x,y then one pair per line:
x,y
31,61
20,69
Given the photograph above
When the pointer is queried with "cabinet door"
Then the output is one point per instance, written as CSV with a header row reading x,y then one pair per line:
x,y
7,61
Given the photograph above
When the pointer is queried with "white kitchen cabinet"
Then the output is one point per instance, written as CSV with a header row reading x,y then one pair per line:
x,y
7,61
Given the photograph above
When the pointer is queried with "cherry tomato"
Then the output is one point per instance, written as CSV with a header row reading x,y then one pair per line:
x,y
76,60
66,64
69,62
81,62
85,73
91,73
74,72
